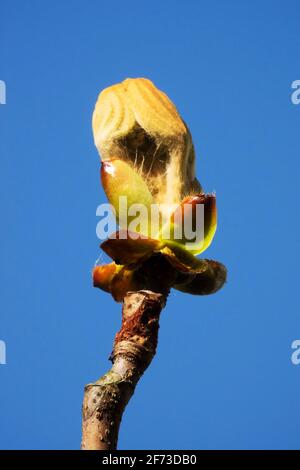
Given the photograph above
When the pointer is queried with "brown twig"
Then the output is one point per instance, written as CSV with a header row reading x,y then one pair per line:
x,y
134,348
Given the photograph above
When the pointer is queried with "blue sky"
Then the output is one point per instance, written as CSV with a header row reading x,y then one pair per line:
x,y
223,376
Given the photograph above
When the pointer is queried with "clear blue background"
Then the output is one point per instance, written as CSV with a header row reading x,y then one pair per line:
x,y
223,376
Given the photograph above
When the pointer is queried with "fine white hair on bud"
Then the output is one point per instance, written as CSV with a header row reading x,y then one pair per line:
x,y
136,122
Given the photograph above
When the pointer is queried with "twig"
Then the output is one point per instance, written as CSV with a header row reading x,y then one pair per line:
x,y
134,348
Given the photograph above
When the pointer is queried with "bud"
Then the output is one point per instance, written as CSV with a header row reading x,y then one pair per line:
x,y
115,279
209,281
186,215
125,248
148,158
137,123
103,276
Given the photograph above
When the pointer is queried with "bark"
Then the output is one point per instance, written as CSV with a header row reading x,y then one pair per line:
x,y
133,350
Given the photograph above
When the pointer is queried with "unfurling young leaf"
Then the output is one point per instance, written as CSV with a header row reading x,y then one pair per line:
x,y
189,221
124,185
